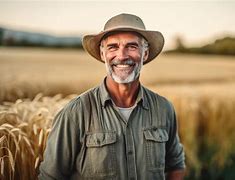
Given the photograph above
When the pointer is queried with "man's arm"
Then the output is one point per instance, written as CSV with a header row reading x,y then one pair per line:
x,y
175,174
61,149
175,157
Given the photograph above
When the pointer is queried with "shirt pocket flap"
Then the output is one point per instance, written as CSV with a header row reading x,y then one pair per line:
x,y
100,139
156,134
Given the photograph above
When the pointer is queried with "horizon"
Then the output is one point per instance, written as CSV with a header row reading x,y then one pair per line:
x,y
196,22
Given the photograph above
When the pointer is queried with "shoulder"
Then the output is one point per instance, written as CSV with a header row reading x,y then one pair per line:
x,y
159,100
77,105
76,109
81,99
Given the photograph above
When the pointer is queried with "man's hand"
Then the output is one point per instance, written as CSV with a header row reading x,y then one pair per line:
x,y
175,175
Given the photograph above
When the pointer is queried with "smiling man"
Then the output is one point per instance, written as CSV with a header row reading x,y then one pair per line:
x,y
124,53
119,130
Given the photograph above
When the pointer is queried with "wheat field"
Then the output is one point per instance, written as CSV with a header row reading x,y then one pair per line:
x,y
36,83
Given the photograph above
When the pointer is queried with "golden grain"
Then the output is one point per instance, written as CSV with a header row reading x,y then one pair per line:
x,y
28,144
2,166
9,157
36,162
35,129
40,138
2,138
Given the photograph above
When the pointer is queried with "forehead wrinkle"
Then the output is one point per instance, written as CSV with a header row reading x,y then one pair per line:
x,y
121,41
122,37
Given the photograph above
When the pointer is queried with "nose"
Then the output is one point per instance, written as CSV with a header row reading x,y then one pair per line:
x,y
122,54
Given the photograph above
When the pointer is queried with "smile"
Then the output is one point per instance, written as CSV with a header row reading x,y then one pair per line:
x,y
123,66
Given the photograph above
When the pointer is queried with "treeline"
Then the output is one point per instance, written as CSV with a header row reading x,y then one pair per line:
x,y
8,37
30,39
223,46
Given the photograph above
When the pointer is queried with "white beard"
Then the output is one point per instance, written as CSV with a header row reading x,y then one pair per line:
x,y
130,78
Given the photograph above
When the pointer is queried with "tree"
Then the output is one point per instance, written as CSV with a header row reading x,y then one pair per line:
x,y
179,44
1,36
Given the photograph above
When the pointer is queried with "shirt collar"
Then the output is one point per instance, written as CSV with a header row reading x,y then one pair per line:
x,y
141,98
105,97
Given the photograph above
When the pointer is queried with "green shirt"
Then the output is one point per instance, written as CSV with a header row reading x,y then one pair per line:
x,y
91,140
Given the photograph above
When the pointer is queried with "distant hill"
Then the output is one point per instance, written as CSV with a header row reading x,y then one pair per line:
x,y
223,46
9,37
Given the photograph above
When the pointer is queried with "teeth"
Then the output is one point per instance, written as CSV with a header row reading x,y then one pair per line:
x,y
123,66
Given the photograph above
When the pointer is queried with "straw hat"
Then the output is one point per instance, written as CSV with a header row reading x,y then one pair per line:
x,y
124,22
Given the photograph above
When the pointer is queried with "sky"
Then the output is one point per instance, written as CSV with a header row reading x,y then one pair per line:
x,y
197,22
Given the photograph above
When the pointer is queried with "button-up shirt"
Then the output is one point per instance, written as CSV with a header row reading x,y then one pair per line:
x,y
90,139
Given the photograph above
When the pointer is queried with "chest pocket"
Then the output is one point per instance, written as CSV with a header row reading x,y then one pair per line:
x,y
100,156
155,141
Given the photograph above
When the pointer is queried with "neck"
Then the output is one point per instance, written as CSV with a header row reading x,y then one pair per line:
x,y
123,95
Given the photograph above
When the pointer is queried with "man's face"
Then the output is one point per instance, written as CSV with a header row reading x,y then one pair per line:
x,y
123,54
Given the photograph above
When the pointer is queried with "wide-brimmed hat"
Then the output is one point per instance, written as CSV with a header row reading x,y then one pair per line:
x,y
129,23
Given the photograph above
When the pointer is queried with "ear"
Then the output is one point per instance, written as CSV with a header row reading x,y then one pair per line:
x,y
101,54
146,54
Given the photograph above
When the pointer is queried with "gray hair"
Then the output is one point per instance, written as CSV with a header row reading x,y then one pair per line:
x,y
145,44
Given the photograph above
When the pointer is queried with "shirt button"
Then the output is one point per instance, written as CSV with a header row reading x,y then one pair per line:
x,y
130,152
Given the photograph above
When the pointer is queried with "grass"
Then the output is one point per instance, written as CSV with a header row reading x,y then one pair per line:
x,y
200,87
24,129
26,72
206,125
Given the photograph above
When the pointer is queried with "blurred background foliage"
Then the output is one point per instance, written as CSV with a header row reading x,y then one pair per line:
x,y
224,46
14,38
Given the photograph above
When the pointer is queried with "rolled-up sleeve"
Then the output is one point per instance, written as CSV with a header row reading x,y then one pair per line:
x,y
175,157
62,147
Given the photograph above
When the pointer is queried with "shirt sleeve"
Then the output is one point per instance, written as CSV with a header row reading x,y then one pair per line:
x,y
175,157
62,146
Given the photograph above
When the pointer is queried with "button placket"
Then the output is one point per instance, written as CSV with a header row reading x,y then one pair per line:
x,y
130,153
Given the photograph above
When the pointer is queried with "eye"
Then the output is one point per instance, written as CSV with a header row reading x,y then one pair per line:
x,y
132,47
112,48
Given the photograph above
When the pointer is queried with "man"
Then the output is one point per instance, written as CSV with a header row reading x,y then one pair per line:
x,y
119,130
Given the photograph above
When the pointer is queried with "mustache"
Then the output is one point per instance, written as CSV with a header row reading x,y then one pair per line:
x,y
122,62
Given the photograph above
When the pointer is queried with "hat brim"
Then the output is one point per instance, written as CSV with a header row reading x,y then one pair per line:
x,y
91,43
